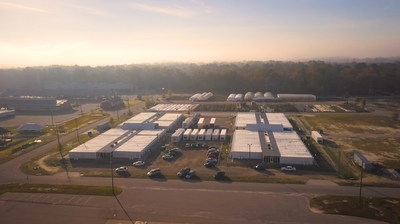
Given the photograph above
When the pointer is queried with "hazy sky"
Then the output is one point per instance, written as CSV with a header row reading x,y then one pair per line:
x,y
106,32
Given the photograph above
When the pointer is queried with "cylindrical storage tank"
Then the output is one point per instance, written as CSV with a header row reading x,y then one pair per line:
x,y
268,95
258,95
239,97
208,96
248,96
231,97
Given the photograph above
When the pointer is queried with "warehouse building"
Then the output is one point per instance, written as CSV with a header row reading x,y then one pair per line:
x,y
296,97
268,137
34,103
173,107
134,139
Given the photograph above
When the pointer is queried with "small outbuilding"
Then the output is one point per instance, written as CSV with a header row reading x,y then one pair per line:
x,y
31,127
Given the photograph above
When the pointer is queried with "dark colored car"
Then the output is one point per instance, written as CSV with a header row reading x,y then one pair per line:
x,y
174,152
219,175
183,172
259,167
209,164
190,174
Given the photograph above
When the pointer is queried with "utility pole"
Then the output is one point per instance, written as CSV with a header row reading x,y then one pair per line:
x,y
59,143
76,127
112,174
249,150
361,177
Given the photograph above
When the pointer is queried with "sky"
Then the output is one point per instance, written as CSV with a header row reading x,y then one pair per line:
x,y
105,32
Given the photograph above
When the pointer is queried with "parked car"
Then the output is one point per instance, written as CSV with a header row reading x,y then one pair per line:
x,y
219,175
213,154
154,172
288,168
211,160
213,150
187,145
121,169
139,163
259,167
210,164
168,157
190,174
174,151
183,172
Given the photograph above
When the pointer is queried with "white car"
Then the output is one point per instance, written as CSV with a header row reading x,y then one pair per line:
x,y
288,168
139,163
121,169
154,172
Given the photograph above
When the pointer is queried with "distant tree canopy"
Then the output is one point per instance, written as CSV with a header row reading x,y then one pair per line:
x,y
313,77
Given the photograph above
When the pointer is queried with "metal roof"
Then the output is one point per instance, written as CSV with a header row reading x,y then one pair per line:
x,y
242,119
278,118
290,145
136,144
173,107
142,117
243,139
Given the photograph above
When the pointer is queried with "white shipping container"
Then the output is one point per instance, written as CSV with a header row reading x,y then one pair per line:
x,y
208,135
193,134
317,137
222,135
215,135
186,135
200,135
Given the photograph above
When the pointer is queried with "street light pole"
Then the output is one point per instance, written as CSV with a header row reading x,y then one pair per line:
x,y
249,150
361,183
112,174
77,130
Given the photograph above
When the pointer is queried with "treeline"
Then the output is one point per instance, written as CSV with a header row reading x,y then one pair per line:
x,y
313,77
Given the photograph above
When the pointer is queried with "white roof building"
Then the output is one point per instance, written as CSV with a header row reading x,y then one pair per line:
x,y
246,145
279,118
292,149
242,119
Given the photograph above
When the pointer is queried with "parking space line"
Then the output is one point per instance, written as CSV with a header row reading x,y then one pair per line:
x,y
90,197
69,200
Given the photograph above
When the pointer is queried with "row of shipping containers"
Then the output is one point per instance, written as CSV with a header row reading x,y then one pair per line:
x,y
199,135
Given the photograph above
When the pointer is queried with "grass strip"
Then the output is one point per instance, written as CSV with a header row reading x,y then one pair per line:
x,y
383,209
60,189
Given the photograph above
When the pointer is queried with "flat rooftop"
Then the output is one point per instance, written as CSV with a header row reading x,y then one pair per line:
x,y
242,119
290,145
142,117
278,118
243,138
173,107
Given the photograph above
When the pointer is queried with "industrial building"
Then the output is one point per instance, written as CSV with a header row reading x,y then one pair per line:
x,y
173,107
4,113
34,103
268,137
296,97
201,96
133,139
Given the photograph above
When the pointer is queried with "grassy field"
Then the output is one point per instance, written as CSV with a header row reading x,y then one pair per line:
x,y
384,209
375,136
51,162
24,143
60,189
